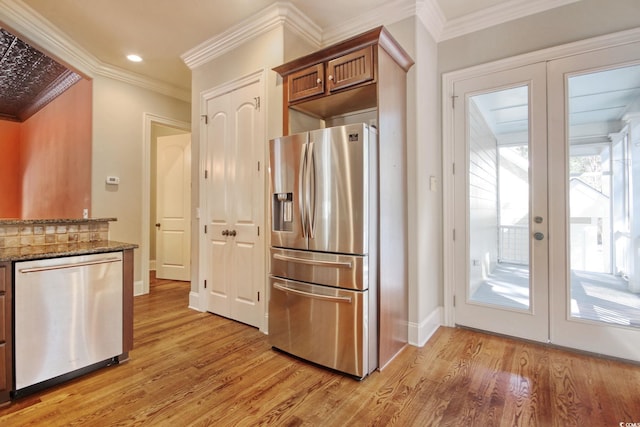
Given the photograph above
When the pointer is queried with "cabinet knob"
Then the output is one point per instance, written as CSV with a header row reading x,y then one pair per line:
x,y
331,77
319,81
225,232
232,233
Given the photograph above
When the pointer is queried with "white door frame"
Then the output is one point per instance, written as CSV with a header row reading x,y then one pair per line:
x,y
448,81
530,323
255,77
150,119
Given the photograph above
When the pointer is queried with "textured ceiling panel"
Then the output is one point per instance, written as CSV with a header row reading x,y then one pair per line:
x,y
29,79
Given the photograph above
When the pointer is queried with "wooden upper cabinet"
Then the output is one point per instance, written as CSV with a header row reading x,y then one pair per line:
x,y
351,69
341,78
326,77
307,82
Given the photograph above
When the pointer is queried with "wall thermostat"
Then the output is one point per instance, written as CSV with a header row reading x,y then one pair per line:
x,y
113,180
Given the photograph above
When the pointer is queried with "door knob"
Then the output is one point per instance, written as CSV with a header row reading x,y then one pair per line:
x,y
538,220
538,235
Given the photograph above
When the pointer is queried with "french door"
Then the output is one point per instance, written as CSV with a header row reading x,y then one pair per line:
x,y
594,157
547,222
501,204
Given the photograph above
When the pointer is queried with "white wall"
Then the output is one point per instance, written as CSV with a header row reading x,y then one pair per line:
x,y
118,150
566,24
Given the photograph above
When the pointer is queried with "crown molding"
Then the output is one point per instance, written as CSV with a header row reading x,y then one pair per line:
x,y
278,14
387,14
36,30
432,17
496,15
125,76
31,26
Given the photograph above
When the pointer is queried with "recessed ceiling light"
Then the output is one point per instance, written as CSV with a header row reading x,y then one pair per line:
x,y
134,58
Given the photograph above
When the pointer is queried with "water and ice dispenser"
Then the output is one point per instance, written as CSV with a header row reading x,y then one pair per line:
x,y
282,211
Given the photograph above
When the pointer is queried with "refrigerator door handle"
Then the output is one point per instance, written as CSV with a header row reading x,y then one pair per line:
x,y
311,295
336,264
303,192
311,217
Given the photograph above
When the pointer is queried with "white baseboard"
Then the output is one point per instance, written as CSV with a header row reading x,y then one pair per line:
x,y
194,301
419,334
138,288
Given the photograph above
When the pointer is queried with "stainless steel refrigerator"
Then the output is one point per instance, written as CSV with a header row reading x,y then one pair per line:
x,y
324,246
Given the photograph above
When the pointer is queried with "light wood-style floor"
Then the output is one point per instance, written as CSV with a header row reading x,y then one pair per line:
x,y
191,368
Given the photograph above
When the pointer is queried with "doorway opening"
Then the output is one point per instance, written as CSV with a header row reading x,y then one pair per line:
x,y
154,126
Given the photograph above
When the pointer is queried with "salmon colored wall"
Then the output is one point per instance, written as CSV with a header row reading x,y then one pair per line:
x,y
9,169
55,156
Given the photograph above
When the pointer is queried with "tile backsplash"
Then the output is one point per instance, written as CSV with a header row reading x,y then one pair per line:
x,y
50,233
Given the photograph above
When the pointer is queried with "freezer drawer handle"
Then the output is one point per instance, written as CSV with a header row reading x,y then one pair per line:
x,y
311,295
71,265
313,262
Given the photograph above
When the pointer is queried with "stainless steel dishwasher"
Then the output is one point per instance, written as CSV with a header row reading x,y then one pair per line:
x,y
68,316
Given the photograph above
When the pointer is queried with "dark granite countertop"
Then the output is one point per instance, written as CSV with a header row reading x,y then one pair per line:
x,y
16,221
25,253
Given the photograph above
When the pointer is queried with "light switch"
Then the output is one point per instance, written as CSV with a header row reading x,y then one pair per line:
x,y
433,183
113,180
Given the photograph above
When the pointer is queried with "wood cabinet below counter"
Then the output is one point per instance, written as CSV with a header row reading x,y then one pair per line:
x,y
6,351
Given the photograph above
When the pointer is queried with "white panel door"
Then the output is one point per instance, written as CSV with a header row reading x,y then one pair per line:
x,y
173,222
235,205
501,280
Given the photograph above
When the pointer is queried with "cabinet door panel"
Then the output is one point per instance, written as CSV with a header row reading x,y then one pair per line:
x,y
307,82
3,335
3,372
351,69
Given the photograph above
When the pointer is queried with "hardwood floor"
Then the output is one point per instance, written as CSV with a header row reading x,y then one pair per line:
x,y
191,368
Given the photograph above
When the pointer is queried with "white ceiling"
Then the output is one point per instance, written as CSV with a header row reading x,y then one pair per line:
x,y
161,31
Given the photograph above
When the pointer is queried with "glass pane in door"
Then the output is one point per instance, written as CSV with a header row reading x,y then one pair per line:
x,y
604,168
498,191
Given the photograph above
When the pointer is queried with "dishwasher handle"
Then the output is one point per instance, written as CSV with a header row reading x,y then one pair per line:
x,y
69,265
